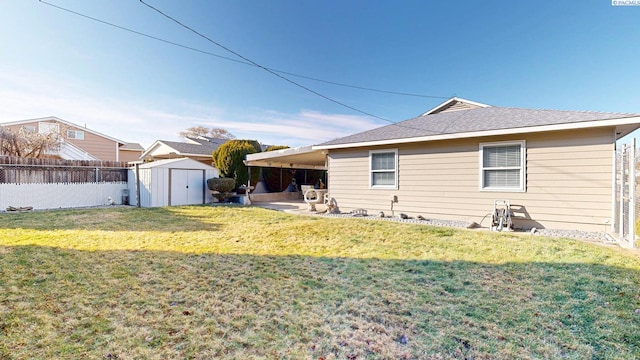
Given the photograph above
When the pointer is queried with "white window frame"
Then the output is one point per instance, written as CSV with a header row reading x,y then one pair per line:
x,y
523,166
395,170
47,127
75,134
29,128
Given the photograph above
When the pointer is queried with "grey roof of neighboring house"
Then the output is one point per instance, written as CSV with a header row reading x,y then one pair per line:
x,y
205,147
208,141
474,120
132,146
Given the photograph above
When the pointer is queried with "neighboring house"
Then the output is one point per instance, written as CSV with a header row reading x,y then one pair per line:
x,y
80,143
555,167
200,149
130,152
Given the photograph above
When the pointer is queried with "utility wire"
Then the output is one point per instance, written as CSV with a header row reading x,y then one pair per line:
x,y
239,61
361,87
262,67
251,63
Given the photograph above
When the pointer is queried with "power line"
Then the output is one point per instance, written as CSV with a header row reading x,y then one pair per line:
x,y
262,67
240,61
251,63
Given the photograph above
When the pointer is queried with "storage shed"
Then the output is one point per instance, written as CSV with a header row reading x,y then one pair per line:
x,y
171,182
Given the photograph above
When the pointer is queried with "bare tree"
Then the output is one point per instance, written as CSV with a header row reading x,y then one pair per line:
x,y
196,131
27,143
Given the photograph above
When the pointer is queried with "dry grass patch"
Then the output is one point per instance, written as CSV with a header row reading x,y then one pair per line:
x,y
248,283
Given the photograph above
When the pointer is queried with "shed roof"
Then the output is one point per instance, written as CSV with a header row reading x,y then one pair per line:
x,y
181,163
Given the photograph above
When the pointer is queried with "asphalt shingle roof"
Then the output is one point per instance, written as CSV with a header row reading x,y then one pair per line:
x,y
132,146
474,120
204,148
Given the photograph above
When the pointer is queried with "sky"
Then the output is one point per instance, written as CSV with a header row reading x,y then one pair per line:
x,y
564,55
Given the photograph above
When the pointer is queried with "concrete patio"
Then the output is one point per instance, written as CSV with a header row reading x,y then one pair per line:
x,y
297,206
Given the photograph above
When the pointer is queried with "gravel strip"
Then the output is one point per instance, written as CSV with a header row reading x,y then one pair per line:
x,y
571,234
433,222
579,235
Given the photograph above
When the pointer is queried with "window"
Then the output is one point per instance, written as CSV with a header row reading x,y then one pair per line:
x,y
502,166
48,128
29,128
383,169
75,134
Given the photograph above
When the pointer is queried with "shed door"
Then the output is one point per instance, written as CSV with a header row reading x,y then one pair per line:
x,y
186,187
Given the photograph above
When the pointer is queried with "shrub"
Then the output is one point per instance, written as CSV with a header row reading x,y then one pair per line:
x,y
229,157
221,187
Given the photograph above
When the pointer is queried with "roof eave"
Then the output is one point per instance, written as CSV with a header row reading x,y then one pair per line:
x,y
288,158
472,134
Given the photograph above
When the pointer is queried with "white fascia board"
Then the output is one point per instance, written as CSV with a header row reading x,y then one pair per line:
x,y
278,153
278,158
510,131
281,164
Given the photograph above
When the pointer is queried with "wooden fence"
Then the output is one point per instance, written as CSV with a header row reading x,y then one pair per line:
x,y
14,170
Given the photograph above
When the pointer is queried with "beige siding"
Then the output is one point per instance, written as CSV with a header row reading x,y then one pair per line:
x,y
568,180
98,146
130,155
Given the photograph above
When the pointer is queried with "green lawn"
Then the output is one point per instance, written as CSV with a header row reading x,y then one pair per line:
x,y
248,283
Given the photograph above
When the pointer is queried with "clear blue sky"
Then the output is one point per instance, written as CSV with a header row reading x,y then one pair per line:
x,y
574,55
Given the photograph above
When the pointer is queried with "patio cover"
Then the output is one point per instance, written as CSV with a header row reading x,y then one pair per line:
x,y
304,157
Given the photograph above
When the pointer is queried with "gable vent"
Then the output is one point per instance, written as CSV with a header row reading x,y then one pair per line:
x,y
458,105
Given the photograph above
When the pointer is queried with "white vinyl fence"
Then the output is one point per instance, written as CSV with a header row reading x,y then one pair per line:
x,y
61,195
55,184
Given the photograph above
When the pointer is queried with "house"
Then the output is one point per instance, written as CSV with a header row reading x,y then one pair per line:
x,y
130,152
197,148
557,168
78,142
171,182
